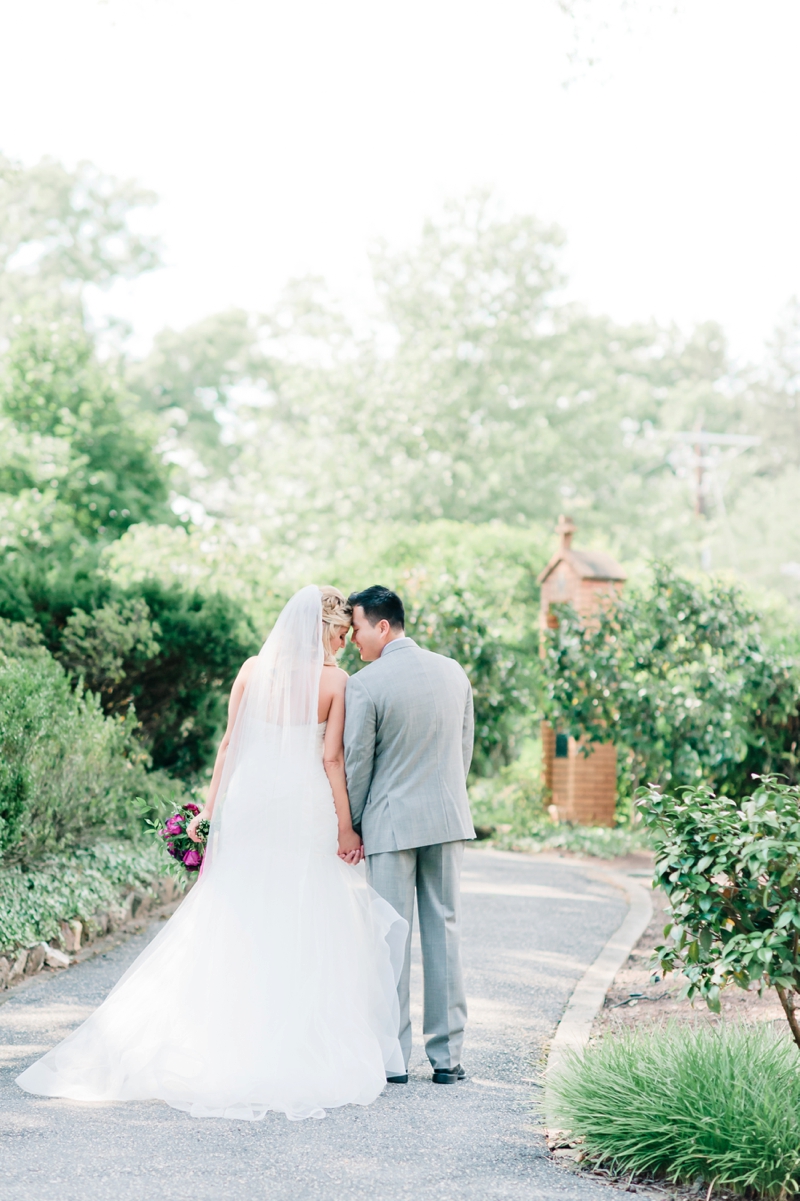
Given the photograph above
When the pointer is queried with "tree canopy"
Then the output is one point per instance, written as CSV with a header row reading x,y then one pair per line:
x,y
61,230
475,392
76,461
681,677
157,512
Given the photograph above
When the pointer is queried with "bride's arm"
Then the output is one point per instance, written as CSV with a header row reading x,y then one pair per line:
x,y
333,758
237,692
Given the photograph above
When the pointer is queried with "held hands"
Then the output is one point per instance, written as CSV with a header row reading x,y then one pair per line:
x,y
191,829
351,849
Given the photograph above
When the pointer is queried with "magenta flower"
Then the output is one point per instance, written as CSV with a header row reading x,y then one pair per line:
x,y
190,807
175,824
192,860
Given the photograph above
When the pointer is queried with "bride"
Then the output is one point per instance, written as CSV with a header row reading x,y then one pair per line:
x,y
272,987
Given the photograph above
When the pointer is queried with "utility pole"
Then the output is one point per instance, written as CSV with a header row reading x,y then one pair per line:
x,y
698,454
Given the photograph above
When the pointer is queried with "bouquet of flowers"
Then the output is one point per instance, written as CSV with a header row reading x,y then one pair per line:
x,y
179,845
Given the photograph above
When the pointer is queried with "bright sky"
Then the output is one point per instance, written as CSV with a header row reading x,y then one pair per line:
x,y
283,137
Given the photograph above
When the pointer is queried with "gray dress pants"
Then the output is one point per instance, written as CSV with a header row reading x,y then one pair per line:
x,y
433,873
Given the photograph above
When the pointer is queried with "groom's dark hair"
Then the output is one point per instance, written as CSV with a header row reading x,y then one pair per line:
x,y
380,604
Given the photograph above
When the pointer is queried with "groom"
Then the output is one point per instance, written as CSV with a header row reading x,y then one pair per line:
x,y
408,746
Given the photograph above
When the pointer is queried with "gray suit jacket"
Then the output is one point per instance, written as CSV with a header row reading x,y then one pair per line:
x,y
408,739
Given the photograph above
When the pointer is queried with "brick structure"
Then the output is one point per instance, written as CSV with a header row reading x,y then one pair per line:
x,y
582,787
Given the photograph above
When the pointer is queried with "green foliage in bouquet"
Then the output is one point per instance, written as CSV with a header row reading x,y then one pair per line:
x,y
186,853
731,872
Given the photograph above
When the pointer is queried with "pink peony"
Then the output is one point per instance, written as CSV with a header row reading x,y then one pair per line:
x,y
191,808
175,824
192,860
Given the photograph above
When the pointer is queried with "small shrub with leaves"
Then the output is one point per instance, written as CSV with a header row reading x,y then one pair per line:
x,y
731,871
77,885
69,775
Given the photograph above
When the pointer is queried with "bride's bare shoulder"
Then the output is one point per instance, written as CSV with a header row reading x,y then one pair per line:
x,y
335,677
246,668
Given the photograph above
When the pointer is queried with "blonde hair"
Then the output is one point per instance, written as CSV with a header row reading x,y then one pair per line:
x,y
336,614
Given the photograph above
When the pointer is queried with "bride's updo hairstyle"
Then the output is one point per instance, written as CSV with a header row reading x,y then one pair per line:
x,y
336,614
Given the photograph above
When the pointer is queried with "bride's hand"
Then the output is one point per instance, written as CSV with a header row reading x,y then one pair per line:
x,y
350,848
191,829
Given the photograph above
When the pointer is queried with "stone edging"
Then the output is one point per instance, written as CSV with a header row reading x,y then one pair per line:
x,y
575,1027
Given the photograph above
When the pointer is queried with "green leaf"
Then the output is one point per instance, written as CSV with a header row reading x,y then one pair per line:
x,y
789,875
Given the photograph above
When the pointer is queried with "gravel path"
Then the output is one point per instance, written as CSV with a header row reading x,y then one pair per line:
x,y
531,929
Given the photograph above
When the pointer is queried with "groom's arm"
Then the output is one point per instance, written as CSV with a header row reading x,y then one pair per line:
x,y
359,746
468,731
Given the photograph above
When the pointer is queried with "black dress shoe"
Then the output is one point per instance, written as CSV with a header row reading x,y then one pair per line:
x,y
397,1079
450,1076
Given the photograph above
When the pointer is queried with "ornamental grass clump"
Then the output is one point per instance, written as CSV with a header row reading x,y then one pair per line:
x,y
722,1105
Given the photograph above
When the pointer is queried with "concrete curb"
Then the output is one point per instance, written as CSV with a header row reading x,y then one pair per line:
x,y
575,1027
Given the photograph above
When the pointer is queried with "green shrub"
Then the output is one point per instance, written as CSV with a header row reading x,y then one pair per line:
x,y
513,797
720,1104
78,885
181,693
731,872
599,842
470,593
512,804
68,774
682,678
170,652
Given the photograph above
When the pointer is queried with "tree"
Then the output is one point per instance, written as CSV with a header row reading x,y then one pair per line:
x,y
477,394
680,676
191,380
80,464
61,230
468,592
77,462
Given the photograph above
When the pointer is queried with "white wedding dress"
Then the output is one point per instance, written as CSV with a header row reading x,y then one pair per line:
x,y
273,986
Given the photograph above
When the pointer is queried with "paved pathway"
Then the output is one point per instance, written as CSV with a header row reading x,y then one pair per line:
x,y
531,929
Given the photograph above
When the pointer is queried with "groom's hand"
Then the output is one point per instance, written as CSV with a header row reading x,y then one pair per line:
x,y
350,848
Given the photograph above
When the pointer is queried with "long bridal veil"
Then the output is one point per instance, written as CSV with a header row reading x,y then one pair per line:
x,y
273,985
272,749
